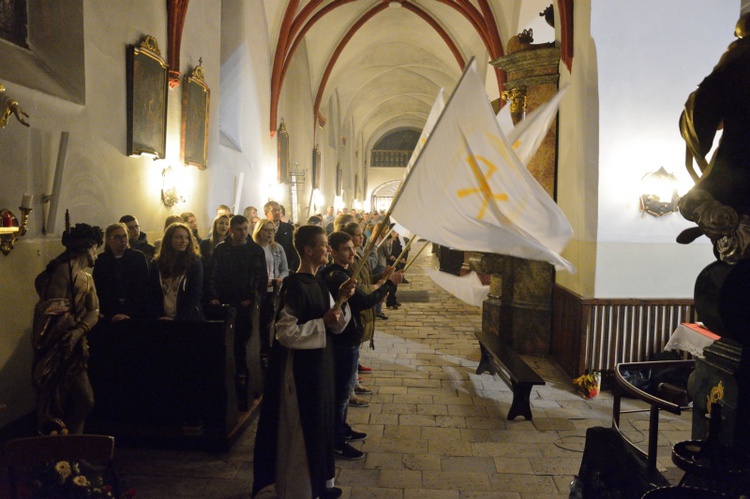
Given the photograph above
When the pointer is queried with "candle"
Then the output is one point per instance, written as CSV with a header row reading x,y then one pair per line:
x,y
26,201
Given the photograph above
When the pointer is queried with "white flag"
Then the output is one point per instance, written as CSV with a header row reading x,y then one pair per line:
x,y
505,120
437,109
469,191
529,133
467,288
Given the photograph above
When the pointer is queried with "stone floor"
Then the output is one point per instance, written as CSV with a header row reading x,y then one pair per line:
x,y
436,429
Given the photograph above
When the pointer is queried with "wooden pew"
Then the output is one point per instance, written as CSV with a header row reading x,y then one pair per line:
x,y
171,379
498,358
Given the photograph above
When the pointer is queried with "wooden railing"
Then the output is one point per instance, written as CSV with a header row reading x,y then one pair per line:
x,y
595,334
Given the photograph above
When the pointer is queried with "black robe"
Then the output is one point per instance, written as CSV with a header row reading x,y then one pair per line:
x,y
302,345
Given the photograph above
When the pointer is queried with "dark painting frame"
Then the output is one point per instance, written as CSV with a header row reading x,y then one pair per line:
x,y
148,88
282,158
196,99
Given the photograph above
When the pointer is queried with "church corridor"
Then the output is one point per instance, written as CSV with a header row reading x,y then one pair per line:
x,y
436,429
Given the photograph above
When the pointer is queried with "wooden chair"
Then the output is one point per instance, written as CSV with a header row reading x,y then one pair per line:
x,y
23,453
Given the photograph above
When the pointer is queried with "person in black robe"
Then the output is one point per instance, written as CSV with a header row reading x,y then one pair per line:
x,y
294,440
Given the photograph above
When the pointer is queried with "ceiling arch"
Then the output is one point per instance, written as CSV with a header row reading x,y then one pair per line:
x,y
450,30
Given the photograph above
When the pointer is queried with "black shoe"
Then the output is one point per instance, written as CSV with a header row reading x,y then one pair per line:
x,y
404,280
331,493
381,315
392,307
349,453
354,436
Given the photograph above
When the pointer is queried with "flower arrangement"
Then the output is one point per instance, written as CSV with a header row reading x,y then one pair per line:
x,y
75,479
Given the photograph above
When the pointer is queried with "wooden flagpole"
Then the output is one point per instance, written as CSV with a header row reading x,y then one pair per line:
x,y
368,248
415,256
406,248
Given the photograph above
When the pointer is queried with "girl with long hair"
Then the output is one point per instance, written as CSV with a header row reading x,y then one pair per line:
x,y
176,277
219,232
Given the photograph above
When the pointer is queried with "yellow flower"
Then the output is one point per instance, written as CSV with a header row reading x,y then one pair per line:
x,y
81,481
63,468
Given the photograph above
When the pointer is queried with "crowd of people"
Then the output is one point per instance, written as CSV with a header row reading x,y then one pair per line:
x,y
310,342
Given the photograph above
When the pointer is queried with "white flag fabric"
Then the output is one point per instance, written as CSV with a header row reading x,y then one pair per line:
x,y
468,190
468,288
505,120
528,134
437,109
402,231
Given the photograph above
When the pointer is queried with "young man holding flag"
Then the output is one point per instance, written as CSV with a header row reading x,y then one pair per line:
x,y
346,345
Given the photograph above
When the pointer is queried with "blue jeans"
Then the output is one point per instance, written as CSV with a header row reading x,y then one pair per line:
x,y
345,359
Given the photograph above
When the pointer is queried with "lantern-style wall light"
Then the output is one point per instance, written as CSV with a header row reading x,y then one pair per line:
x,y
171,190
660,195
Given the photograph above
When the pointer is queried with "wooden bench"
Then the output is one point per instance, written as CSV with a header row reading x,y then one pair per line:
x,y
166,380
498,358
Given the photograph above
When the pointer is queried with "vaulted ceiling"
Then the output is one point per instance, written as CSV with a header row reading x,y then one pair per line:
x,y
385,60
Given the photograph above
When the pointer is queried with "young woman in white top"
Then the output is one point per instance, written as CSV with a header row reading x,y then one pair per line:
x,y
277,267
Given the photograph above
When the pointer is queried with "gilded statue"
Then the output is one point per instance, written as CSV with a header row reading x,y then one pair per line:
x,y
720,201
68,308
9,106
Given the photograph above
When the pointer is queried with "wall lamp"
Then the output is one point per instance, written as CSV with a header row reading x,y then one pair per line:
x,y
11,229
171,192
660,195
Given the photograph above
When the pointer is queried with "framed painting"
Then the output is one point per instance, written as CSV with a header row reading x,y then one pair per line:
x,y
147,99
282,145
196,98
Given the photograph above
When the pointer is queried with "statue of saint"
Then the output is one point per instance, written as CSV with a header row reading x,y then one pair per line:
x,y
720,204
9,106
68,308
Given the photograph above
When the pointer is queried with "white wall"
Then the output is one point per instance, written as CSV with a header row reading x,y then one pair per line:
x,y
651,56
635,63
246,146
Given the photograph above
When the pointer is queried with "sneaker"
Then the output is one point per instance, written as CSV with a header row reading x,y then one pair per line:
x,y
348,452
392,307
355,401
354,436
359,378
381,315
364,369
362,390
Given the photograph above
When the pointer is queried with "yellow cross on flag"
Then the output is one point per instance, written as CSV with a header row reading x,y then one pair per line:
x,y
468,189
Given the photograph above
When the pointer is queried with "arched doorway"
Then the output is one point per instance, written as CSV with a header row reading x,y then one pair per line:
x,y
382,195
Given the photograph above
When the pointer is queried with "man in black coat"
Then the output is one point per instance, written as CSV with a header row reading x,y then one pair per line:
x,y
239,277
120,275
138,239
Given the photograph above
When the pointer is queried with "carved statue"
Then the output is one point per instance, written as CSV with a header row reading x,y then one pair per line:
x,y
720,201
10,106
68,308
720,204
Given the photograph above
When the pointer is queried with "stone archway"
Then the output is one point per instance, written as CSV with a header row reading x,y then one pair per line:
x,y
382,195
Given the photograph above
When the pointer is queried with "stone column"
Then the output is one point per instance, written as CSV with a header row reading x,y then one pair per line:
x,y
519,306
